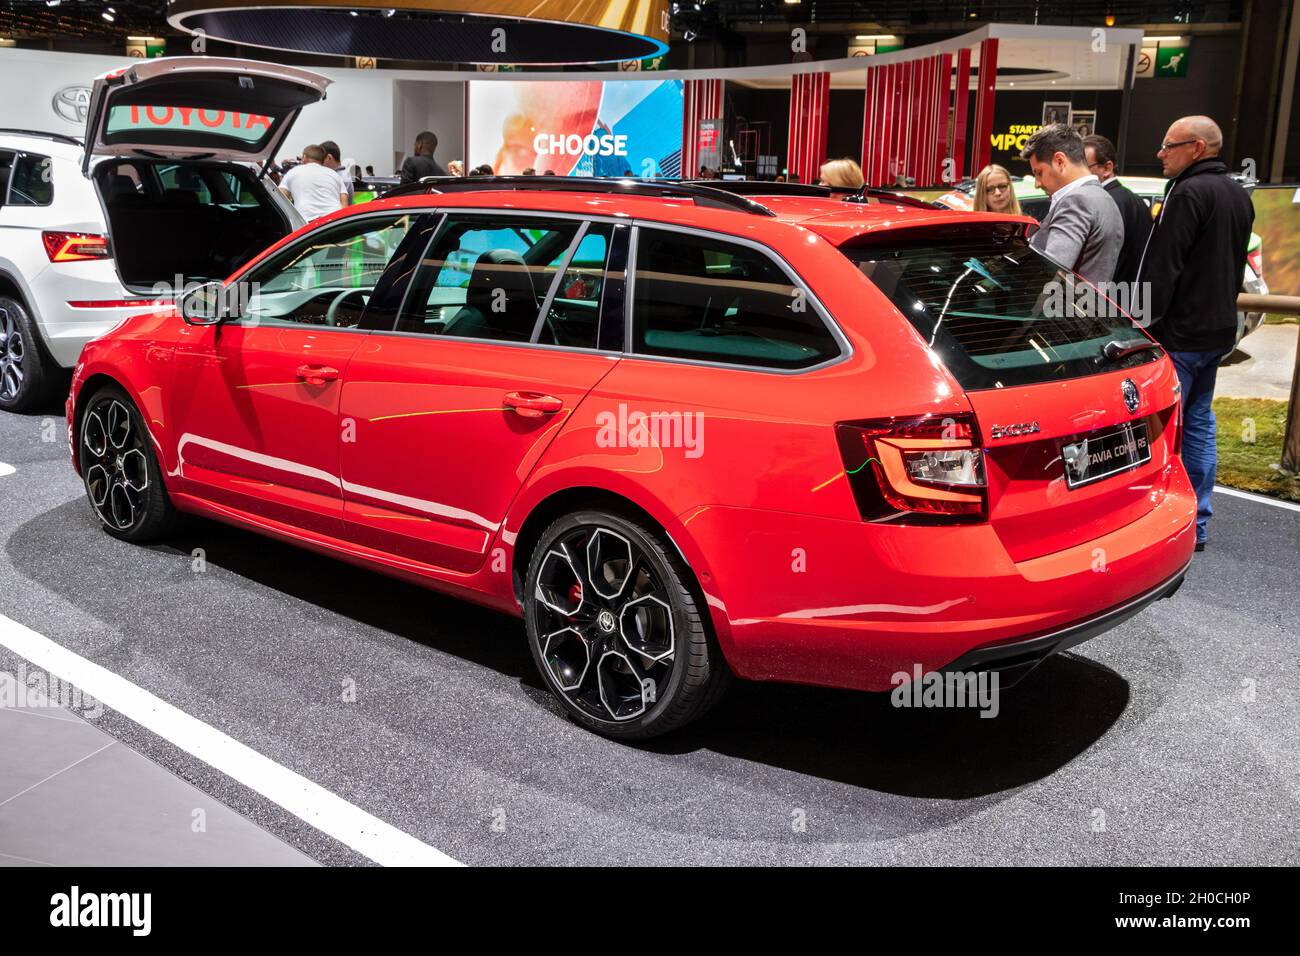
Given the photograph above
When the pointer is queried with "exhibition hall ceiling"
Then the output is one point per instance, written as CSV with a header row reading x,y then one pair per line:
x,y
90,19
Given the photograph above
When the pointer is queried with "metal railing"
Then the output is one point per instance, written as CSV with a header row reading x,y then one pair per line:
x,y
1282,305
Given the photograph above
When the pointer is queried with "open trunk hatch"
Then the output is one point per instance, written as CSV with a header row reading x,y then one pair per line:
x,y
197,107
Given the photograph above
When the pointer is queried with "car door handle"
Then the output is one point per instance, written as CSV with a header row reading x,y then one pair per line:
x,y
532,404
317,374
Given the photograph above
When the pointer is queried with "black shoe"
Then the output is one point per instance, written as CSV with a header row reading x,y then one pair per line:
x,y
1200,546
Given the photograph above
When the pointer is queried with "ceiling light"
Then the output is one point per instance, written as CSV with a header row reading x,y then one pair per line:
x,y
875,36
1165,39
108,15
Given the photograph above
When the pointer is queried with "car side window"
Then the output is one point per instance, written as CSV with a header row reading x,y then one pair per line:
x,y
32,181
487,277
573,317
325,278
704,298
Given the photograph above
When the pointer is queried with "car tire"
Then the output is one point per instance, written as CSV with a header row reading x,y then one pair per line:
x,y
29,378
120,470
636,658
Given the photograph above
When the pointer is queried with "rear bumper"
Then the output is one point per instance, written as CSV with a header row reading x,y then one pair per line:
x,y
839,603
1014,661
67,327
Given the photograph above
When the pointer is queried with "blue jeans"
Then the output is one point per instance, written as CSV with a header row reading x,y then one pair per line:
x,y
1197,372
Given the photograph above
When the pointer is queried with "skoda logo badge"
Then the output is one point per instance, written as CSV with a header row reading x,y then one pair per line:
x,y
1130,392
72,103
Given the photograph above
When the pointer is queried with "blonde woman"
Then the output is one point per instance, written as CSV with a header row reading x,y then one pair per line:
x,y
993,192
841,174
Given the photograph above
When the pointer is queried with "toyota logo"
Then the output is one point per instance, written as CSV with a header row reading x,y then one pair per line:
x,y
72,103
1130,392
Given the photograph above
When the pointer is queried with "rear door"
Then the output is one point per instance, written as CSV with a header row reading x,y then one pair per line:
x,y
197,108
1069,432
494,348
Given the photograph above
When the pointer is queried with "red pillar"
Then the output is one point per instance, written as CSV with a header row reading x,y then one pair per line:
x,y
988,79
913,117
961,87
872,126
809,103
941,151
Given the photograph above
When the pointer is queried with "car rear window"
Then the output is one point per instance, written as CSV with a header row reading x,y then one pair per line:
x,y
706,299
981,299
31,183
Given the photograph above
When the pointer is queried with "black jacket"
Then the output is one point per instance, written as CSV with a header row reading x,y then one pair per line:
x,y
1195,258
1137,227
415,168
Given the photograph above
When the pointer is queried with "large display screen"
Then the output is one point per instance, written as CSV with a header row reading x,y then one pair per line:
x,y
578,128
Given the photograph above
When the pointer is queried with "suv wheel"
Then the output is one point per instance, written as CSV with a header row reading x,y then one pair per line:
x,y
615,630
27,376
121,473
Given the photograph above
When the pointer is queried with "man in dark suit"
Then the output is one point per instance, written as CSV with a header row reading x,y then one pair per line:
x,y
1100,153
415,168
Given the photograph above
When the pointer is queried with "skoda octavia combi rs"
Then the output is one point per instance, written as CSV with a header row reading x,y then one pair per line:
x,y
684,434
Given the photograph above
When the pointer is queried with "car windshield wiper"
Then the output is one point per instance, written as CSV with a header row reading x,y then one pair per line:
x,y
1114,350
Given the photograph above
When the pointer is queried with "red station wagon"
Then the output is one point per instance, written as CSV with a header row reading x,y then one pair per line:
x,y
685,433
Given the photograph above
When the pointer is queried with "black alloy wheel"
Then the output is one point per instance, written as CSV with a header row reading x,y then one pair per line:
x,y
120,471
615,630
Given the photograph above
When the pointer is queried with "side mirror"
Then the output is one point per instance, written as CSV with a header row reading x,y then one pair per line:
x,y
209,304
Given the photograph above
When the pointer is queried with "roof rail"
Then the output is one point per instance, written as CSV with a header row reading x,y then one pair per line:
x,y
753,187
40,134
709,196
758,187
867,193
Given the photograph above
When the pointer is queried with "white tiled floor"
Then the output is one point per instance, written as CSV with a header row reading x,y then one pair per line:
x,y
72,795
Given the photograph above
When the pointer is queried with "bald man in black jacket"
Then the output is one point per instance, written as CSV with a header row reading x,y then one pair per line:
x,y
1194,262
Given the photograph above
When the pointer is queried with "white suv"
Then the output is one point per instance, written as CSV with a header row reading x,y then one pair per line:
x,y
171,183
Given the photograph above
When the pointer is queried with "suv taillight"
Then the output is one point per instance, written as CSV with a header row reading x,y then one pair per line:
x,y
74,246
928,465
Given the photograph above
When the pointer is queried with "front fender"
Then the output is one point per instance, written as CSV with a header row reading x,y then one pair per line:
x,y
142,367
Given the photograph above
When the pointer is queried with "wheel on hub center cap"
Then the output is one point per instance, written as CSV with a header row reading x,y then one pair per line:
x,y
11,357
614,628
119,469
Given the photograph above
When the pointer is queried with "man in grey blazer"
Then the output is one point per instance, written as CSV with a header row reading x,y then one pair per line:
x,y
1083,229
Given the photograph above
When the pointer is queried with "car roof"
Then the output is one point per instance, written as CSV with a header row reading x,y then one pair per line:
x,y
833,219
38,141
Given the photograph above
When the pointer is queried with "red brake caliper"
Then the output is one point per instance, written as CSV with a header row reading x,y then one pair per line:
x,y
575,594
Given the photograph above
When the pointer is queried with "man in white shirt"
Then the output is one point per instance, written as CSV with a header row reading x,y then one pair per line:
x,y
334,160
314,189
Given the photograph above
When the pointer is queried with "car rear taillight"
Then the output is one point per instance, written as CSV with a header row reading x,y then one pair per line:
x,y
928,465
1256,260
74,246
